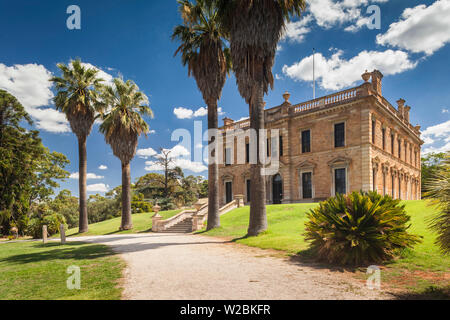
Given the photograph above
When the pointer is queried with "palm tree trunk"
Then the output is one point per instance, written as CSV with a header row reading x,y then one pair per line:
x,y
258,217
82,172
213,171
126,198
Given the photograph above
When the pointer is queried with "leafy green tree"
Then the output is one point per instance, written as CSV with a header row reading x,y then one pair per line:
x,y
28,171
78,98
255,28
122,125
204,50
67,205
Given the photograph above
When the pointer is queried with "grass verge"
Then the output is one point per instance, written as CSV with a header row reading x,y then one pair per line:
x,y
34,271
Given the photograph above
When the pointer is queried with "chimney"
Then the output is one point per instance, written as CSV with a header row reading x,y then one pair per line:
x,y
401,108
377,78
227,122
406,113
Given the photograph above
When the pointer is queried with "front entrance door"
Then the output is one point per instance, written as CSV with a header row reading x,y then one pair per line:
x,y
228,192
277,189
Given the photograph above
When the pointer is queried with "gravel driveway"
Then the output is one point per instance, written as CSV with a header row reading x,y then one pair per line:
x,y
192,267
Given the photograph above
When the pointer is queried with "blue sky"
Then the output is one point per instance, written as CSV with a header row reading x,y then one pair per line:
x,y
132,37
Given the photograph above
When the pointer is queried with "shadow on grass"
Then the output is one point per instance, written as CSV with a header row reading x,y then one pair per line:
x,y
56,251
430,293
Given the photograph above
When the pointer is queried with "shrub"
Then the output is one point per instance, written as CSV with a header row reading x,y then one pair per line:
x,y
51,220
357,229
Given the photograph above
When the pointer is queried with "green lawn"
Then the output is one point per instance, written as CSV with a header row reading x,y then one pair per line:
x,y
417,269
34,271
141,223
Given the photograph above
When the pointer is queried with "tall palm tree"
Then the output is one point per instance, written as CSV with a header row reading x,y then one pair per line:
x,y
122,125
255,28
77,97
204,50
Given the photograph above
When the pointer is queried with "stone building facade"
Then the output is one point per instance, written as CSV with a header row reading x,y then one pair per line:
x,y
348,141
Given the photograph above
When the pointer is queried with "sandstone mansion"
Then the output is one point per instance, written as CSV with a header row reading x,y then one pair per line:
x,y
348,141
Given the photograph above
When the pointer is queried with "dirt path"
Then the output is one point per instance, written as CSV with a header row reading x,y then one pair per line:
x,y
178,267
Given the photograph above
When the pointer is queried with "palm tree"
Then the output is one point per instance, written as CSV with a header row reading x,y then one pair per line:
x,y
438,191
255,27
204,50
77,97
122,125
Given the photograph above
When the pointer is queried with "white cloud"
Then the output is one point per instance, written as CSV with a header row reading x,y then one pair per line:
x,y
100,187
336,72
145,153
180,157
184,113
89,176
178,151
420,29
296,30
30,84
152,132
437,138
103,167
201,112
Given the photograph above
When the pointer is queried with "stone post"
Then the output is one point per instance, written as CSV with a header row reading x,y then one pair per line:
x,y
239,200
62,231
44,234
155,222
195,222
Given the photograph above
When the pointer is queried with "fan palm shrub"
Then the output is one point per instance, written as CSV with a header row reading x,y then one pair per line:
x,y
204,50
438,190
78,97
123,124
358,229
255,27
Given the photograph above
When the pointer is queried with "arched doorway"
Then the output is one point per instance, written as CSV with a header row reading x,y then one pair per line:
x,y
277,189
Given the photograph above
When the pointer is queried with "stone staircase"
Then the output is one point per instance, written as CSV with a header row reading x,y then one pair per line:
x,y
184,226
192,220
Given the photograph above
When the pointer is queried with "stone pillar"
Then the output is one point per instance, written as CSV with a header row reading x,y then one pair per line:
x,y
155,222
239,200
62,231
196,222
44,234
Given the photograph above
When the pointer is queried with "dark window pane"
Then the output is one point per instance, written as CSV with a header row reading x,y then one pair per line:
x,y
247,153
340,181
268,147
229,192
384,138
392,144
307,185
339,135
306,141
281,146
248,190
